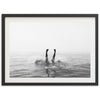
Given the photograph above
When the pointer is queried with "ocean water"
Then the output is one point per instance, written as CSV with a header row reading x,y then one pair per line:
x,y
67,65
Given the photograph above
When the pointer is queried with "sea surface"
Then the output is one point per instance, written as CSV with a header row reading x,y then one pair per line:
x,y
67,65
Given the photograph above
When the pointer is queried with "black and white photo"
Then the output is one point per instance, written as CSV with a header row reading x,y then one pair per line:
x,y
50,49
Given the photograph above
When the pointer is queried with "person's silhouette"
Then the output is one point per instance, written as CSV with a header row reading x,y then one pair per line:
x,y
53,58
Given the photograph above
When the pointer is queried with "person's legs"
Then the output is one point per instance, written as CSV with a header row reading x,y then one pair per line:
x,y
47,62
47,56
53,58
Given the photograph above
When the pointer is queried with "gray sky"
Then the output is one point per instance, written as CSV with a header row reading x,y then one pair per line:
x,y
36,34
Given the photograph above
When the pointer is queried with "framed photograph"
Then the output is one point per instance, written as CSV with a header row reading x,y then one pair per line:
x,y
49,49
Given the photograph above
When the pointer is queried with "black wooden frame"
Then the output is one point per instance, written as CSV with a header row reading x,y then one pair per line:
x,y
49,15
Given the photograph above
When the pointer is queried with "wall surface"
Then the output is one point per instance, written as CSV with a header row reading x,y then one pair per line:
x,y
49,92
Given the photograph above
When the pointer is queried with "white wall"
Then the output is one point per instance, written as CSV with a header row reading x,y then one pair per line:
x,y
40,92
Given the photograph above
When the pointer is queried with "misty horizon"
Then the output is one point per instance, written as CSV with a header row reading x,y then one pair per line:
x,y
38,34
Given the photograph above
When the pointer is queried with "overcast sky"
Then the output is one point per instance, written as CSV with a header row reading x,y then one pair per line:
x,y
37,34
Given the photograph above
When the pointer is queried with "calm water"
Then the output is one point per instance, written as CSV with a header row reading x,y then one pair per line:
x,y
69,65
